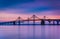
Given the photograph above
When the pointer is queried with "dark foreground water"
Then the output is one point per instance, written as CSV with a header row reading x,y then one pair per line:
x,y
30,32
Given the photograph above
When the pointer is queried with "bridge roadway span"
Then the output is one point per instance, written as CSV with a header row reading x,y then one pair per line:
x,y
42,22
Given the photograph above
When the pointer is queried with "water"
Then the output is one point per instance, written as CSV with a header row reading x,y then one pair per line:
x,y
30,32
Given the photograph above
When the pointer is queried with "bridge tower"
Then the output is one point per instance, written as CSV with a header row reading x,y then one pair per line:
x,y
44,17
34,18
18,20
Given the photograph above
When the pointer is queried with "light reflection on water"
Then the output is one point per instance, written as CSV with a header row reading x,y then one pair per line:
x,y
30,32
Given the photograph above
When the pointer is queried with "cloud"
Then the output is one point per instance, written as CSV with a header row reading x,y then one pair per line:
x,y
8,3
28,6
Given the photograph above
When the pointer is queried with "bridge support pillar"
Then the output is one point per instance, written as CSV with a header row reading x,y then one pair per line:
x,y
53,22
42,22
14,23
49,22
18,22
57,22
33,22
28,21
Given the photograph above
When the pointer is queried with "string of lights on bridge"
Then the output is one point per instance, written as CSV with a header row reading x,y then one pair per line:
x,y
33,18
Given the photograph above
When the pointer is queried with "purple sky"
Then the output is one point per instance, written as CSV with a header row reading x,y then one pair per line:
x,y
12,8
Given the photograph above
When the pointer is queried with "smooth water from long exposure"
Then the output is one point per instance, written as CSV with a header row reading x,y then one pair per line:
x,y
30,32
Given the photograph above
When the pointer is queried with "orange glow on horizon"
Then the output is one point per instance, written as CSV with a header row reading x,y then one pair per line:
x,y
8,17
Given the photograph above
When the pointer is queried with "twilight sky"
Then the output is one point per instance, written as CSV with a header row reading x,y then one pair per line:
x,y
11,9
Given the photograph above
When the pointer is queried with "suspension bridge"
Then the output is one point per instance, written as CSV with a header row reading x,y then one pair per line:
x,y
33,19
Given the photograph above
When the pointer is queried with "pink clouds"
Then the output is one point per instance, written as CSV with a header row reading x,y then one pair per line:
x,y
7,17
11,16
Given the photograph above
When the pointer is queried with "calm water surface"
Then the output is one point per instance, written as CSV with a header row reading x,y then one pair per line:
x,y
30,32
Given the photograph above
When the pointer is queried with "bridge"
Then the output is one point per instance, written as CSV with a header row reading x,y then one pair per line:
x,y
34,19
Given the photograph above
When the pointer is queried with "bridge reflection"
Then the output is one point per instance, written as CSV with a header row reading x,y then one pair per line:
x,y
34,18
